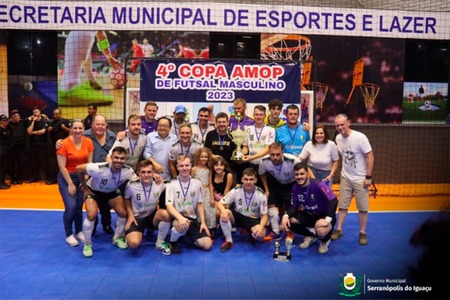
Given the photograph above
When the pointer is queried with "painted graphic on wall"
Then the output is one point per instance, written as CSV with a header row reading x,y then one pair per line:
x,y
94,66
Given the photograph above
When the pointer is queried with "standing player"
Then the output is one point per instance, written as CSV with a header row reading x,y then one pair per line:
x,y
258,138
356,175
250,210
202,126
184,202
277,176
141,200
312,212
184,146
273,118
134,142
105,186
138,52
291,135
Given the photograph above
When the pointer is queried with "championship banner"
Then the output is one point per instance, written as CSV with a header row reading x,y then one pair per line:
x,y
219,81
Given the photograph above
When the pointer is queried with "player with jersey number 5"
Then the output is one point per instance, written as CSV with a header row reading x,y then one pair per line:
x,y
356,175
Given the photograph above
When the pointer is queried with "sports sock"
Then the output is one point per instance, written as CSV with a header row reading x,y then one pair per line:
x,y
175,235
163,230
273,218
87,230
120,227
226,229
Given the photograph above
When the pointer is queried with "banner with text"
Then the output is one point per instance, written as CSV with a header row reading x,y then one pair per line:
x,y
227,17
219,81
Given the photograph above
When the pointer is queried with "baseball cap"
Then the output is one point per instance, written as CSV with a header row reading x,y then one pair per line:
x,y
180,109
3,117
14,111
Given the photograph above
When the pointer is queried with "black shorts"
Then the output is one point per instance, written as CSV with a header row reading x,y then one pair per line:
x,y
145,223
103,198
193,232
280,194
242,221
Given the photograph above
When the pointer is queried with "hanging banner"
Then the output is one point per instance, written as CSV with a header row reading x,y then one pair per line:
x,y
219,81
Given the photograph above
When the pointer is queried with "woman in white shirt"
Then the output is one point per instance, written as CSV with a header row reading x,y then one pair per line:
x,y
322,155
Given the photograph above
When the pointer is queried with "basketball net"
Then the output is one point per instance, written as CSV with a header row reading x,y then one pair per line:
x,y
288,47
370,92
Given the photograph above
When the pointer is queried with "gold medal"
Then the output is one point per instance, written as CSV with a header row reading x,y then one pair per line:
x,y
221,148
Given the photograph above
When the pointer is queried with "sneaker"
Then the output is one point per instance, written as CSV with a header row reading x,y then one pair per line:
x,y
4,186
323,248
165,249
233,229
120,242
251,240
272,236
226,246
80,236
362,239
107,229
82,94
174,248
72,241
95,85
289,235
336,234
87,250
308,241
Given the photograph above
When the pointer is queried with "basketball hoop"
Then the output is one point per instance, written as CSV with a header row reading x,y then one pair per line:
x,y
370,92
286,47
320,91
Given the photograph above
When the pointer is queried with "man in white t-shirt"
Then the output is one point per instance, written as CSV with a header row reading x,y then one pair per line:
x,y
356,175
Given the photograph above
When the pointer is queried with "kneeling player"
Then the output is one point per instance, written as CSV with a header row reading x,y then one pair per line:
x,y
141,200
184,201
312,212
250,210
105,187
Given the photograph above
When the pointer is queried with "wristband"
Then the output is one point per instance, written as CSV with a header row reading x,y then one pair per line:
x,y
368,177
103,44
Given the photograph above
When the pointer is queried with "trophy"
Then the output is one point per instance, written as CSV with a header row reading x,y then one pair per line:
x,y
280,255
238,139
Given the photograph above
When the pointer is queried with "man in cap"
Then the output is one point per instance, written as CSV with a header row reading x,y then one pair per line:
x,y
179,118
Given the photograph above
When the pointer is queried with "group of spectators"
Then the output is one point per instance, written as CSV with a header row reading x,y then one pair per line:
x,y
181,179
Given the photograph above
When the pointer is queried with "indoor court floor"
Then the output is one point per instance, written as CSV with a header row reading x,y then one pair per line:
x,y
36,263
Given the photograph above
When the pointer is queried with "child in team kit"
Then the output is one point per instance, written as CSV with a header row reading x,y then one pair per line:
x,y
202,171
141,201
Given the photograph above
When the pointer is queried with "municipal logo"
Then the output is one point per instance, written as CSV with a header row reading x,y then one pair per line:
x,y
350,285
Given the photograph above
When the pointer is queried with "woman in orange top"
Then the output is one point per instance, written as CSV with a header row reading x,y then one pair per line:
x,y
75,150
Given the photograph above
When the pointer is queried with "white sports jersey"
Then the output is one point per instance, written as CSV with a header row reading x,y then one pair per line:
x,y
103,180
252,205
144,200
134,149
190,151
284,172
184,196
257,138
198,134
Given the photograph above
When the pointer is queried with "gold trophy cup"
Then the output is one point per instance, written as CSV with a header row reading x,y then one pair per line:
x,y
238,138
